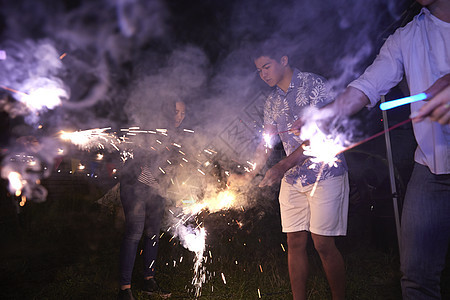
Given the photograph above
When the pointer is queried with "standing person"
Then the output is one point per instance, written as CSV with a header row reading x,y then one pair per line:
x,y
323,214
141,194
421,52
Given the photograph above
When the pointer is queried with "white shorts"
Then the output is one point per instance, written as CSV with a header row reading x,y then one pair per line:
x,y
324,213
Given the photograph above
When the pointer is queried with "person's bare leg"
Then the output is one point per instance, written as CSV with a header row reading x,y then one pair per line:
x,y
298,263
333,264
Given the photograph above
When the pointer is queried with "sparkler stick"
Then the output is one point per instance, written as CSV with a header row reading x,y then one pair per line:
x,y
13,90
402,101
357,144
375,135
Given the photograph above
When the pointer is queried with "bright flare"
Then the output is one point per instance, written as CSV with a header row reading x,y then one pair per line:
x,y
87,138
223,200
268,140
321,148
15,183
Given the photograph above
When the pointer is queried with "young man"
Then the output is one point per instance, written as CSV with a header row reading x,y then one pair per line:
x,y
419,51
323,214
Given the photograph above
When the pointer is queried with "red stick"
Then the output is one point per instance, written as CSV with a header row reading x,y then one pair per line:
x,y
375,135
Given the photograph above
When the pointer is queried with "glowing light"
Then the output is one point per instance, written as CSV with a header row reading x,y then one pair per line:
x,y
15,183
23,200
402,101
44,97
87,138
99,156
268,140
321,148
194,240
220,201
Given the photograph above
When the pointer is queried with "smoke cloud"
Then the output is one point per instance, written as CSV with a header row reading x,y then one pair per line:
x,y
109,63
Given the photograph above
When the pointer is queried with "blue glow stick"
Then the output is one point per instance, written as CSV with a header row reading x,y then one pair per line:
x,y
402,101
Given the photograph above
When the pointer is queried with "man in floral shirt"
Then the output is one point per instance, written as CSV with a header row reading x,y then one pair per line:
x,y
323,214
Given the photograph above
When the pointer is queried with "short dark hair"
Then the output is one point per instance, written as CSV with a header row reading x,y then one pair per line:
x,y
274,48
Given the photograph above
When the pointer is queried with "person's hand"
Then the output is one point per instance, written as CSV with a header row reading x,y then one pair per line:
x,y
297,125
273,175
438,108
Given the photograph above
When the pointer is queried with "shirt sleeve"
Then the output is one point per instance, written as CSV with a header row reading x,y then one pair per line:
x,y
385,72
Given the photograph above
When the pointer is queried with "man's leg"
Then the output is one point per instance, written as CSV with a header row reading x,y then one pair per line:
x,y
298,263
425,233
333,264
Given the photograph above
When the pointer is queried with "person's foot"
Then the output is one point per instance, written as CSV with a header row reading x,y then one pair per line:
x,y
152,287
125,294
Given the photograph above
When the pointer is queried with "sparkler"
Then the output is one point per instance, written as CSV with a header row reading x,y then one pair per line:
x,y
15,183
87,139
323,149
192,237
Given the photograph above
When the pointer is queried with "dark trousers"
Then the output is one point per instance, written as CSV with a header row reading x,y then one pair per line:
x,y
143,210
425,233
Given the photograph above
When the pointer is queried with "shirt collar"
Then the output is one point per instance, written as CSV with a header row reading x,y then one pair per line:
x,y
294,82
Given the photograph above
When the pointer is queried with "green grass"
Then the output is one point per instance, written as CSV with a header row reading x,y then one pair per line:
x,y
68,249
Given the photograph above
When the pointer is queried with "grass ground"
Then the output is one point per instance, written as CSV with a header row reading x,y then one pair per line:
x,y
67,248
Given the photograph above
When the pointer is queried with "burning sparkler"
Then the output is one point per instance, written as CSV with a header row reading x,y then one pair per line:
x,y
87,139
15,183
192,237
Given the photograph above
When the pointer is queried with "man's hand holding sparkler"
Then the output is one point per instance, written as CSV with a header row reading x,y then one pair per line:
x,y
438,107
262,154
276,173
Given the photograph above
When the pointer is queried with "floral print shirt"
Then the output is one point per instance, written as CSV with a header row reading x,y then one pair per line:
x,y
282,109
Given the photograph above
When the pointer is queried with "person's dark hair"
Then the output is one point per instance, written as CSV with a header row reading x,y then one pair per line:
x,y
274,48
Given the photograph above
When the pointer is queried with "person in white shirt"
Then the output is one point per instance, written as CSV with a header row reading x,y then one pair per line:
x,y
420,51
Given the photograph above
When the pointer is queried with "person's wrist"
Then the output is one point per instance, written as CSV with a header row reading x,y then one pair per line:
x,y
284,165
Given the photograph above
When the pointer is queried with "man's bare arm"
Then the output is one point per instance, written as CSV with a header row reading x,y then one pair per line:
x,y
276,173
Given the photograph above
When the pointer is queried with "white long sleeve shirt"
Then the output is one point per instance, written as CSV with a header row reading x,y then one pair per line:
x,y
421,52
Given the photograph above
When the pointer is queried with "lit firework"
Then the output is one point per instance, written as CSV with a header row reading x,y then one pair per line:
x,y
191,236
87,139
322,148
